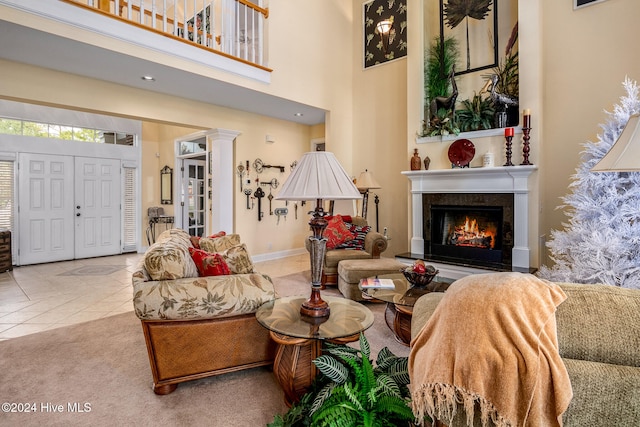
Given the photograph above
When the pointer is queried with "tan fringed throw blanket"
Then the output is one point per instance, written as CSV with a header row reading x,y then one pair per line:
x,y
491,346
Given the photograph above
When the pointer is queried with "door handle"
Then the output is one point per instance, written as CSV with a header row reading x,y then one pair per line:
x,y
78,207
78,214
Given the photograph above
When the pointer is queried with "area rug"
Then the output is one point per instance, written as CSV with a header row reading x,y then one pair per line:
x,y
97,373
93,270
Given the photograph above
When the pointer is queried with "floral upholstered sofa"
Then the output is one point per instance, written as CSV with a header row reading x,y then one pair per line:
x,y
198,317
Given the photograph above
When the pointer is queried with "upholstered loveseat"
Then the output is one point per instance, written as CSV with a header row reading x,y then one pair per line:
x,y
598,330
366,244
197,326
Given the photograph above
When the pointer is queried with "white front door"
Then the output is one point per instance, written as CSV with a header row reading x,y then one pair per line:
x,y
97,207
62,221
46,206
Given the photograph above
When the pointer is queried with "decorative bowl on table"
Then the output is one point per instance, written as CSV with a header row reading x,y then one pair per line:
x,y
420,275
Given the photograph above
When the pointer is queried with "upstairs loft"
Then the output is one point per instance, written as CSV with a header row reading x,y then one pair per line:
x,y
222,35
82,39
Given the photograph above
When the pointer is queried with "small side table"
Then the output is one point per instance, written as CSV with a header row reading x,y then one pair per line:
x,y
400,301
300,339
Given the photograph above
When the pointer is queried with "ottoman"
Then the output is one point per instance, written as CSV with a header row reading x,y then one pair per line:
x,y
351,271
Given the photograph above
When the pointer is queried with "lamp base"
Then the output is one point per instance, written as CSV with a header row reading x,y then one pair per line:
x,y
315,306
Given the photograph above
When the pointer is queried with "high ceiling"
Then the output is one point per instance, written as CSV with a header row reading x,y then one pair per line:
x,y
26,45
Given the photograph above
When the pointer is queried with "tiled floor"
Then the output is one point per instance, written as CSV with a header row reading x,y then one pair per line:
x,y
46,296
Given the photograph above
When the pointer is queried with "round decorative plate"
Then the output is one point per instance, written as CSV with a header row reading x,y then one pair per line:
x,y
461,152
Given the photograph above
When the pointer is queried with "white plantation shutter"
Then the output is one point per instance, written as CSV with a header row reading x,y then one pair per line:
x,y
6,194
129,211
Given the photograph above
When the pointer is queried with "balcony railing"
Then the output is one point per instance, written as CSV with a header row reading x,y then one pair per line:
x,y
233,28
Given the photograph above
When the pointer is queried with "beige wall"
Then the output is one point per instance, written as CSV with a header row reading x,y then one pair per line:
x,y
586,55
380,134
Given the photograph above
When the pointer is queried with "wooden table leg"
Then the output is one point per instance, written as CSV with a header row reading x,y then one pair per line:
x,y
293,366
398,318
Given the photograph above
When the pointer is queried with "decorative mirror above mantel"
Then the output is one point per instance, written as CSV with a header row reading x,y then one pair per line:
x,y
166,186
471,76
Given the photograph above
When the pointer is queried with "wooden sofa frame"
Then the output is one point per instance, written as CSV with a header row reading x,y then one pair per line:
x,y
185,350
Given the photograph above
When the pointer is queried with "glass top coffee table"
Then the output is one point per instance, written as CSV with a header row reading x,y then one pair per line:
x,y
400,301
299,339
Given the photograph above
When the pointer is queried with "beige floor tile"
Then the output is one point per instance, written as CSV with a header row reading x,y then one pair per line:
x,y
41,297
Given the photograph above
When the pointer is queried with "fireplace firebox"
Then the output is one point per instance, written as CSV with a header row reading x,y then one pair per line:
x,y
469,229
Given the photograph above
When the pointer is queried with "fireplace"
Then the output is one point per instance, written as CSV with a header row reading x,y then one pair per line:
x,y
483,193
469,228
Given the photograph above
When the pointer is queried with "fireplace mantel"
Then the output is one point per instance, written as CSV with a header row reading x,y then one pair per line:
x,y
504,179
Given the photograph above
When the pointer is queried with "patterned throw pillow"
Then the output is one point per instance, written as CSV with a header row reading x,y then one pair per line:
x,y
337,232
359,233
169,259
219,244
218,234
209,264
238,259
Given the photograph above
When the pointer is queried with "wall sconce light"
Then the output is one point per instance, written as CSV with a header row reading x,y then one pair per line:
x,y
383,28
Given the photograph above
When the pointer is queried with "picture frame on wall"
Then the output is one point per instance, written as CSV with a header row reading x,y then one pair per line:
x,y
476,34
382,48
577,4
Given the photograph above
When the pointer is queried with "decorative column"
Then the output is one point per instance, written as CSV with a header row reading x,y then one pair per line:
x,y
220,159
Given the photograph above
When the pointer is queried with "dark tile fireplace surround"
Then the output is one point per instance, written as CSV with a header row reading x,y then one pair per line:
x,y
472,229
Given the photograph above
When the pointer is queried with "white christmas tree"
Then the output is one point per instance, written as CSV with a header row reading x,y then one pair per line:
x,y
601,241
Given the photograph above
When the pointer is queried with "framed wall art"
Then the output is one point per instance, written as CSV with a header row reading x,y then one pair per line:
x,y
473,24
385,31
577,4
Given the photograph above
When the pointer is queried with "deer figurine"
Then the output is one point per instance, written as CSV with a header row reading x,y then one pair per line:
x,y
445,102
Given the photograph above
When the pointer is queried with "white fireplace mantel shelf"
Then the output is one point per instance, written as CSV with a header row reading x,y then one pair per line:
x,y
502,179
468,180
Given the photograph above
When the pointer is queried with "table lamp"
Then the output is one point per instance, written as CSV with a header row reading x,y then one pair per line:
x,y
366,182
624,154
317,176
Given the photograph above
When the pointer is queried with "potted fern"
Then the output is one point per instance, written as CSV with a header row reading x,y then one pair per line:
x,y
476,113
351,391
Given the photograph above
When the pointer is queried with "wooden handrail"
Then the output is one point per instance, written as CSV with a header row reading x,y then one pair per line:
x,y
264,12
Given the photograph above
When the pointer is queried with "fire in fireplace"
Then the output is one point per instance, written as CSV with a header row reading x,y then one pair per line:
x,y
469,229
469,233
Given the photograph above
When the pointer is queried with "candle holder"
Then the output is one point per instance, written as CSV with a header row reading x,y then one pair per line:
x,y
509,139
526,129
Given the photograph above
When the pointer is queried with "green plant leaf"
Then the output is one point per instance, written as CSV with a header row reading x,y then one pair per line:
x,y
332,368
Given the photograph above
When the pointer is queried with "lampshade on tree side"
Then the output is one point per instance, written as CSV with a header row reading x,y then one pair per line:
x,y
624,155
318,176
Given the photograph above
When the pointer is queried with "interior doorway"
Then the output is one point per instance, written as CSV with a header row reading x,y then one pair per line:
x,y
193,199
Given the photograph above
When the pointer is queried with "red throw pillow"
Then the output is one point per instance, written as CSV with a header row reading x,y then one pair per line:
x,y
218,234
209,264
337,232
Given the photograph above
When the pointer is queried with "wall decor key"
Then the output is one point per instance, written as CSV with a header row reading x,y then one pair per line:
x,y
259,194
270,197
247,192
258,165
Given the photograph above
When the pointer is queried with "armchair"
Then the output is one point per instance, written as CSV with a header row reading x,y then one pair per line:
x,y
374,245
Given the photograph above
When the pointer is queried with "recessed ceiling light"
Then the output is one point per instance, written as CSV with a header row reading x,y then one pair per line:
x,y
298,114
148,78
